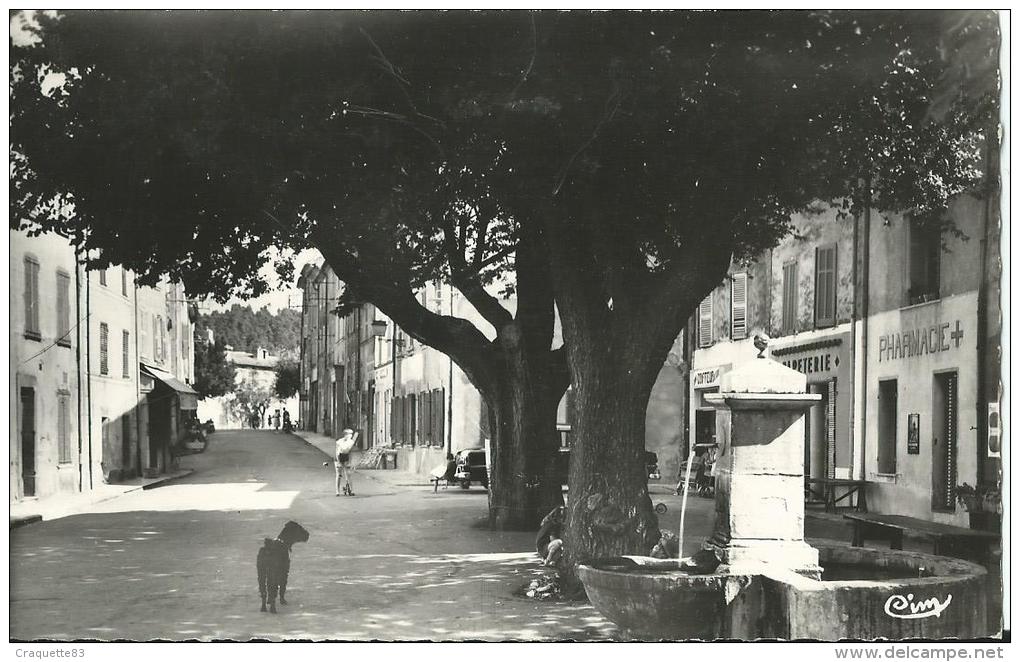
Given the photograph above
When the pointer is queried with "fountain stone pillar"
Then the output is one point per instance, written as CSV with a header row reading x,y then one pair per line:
x,y
759,471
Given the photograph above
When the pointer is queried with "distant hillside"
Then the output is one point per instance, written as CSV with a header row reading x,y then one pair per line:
x,y
247,330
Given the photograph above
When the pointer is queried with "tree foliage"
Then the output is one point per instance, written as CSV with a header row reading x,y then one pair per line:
x,y
288,379
214,375
614,161
250,400
247,330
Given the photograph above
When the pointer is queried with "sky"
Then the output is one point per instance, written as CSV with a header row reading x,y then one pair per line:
x,y
282,295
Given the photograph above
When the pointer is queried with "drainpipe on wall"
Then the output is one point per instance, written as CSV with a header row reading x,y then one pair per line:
x,y
449,399
88,362
77,354
853,335
138,386
982,327
865,311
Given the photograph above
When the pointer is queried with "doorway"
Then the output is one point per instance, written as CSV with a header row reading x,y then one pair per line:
x,y
704,425
816,434
125,443
28,441
944,407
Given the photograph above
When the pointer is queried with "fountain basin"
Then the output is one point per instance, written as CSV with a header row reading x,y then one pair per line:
x,y
871,594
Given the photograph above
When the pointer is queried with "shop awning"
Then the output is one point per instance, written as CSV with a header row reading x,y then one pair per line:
x,y
188,396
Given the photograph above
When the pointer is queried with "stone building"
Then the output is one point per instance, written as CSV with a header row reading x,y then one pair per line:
x,y
897,327
929,371
48,454
100,371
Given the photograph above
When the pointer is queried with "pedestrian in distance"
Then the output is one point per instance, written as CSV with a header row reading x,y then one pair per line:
x,y
342,459
276,420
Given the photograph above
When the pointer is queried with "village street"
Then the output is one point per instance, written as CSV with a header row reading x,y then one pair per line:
x,y
178,562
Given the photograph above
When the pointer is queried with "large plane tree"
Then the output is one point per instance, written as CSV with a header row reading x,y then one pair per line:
x,y
615,163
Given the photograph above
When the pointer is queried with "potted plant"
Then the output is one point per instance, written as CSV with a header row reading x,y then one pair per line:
x,y
984,503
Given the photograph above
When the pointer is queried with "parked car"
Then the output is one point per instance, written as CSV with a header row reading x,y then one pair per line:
x,y
471,468
563,465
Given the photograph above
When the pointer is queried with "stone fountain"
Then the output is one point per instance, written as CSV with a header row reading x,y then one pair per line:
x,y
769,582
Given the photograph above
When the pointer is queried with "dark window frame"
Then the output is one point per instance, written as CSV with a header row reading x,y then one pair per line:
x,y
924,264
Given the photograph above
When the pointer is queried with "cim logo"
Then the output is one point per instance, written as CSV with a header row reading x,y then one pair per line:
x,y
898,606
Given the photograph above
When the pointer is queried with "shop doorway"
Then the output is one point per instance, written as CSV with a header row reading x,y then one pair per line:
x,y
704,424
28,440
944,432
815,434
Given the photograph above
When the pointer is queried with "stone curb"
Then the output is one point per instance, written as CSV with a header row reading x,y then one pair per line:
x,y
24,520
17,521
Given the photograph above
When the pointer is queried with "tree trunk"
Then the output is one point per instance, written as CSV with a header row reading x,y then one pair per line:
x,y
524,483
609,511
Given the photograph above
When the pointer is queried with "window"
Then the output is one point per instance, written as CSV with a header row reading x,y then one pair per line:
x,y
125,354
123,281
102,277
155,338
63,427
790,297
63,309
424,418
162,340
887,415
104,349
438,417
705,322
738,306
924,263
32,299
825,285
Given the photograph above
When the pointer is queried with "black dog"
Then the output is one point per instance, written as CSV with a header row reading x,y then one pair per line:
x,y
273,563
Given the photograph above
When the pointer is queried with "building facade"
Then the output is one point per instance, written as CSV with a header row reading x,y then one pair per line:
x,y
929,374
897,327
48,455
359,370
257,371
81,374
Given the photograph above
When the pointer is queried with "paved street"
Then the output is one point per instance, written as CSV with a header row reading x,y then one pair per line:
x,y
178,562
394,562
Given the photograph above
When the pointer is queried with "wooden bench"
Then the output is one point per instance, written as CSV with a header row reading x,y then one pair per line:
x,y
949,540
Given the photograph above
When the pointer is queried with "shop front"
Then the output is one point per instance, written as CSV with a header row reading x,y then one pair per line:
x,y
168,406
704,380
921,431
826,362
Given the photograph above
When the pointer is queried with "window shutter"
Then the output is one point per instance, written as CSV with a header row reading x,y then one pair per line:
x,y
423,417
830,430
412,413
440,408
31,296
155,339
790,297
825,286
738,307
125,354
63,306
63,427
705,322
104,349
